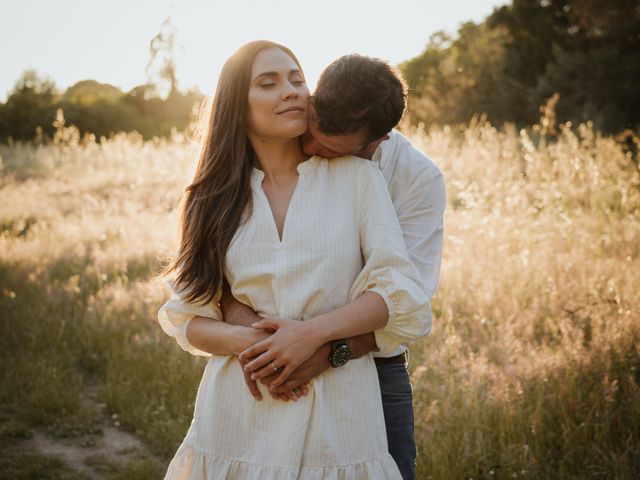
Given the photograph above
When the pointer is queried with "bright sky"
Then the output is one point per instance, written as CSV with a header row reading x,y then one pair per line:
x,y
108,41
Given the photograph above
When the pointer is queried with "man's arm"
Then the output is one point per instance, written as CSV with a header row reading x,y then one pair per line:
x,y
362,344
235,312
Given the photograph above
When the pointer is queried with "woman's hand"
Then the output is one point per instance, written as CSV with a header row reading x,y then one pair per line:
x,y
292,389
292,343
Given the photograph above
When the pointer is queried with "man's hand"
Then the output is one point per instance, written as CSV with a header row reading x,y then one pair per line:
x,y
301,376
253,386
296,391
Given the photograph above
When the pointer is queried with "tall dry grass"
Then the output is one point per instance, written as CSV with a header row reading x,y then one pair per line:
x,y
533,369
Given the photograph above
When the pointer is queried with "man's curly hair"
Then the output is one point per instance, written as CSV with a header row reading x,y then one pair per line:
x,y
357,92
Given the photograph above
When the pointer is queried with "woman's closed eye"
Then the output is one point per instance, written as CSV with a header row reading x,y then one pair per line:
x,y
297,79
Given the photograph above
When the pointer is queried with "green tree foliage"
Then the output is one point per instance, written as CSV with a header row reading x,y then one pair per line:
x,y
31,104
524,53
156,116
456,78
93,107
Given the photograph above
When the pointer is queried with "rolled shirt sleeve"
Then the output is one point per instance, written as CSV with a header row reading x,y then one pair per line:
x,y
388,270
176,313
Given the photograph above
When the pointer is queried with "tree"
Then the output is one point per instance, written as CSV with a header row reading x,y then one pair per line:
x,y
31,104
455,78
88,92
526,52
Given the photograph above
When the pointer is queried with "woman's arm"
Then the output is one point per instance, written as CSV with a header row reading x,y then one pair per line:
x,y
198,327
366,313
220,338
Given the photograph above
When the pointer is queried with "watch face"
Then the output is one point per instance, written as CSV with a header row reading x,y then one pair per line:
x,y
340,355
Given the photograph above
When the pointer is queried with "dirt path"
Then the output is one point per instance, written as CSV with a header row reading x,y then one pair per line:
x,y
113,446
96,455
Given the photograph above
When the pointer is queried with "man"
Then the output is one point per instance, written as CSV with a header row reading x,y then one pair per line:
x,y
356,105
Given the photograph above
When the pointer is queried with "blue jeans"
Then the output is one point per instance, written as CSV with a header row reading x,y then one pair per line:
x,y
398,416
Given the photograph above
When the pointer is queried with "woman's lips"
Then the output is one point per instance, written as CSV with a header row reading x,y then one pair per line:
x,y
296,110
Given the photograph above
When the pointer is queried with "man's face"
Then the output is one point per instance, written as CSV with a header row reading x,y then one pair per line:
x,y
314,142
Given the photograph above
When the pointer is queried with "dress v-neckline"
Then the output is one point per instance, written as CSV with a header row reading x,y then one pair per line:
x,y
258,178
286,213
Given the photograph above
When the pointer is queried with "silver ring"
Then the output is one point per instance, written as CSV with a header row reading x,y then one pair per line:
x,y
275,369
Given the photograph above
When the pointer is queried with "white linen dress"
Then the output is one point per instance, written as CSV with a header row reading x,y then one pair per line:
x,y
340,238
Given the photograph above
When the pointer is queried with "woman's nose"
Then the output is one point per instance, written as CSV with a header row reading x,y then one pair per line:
x,y
290,90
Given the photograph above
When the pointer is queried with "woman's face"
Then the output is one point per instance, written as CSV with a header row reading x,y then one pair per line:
x,y
277,97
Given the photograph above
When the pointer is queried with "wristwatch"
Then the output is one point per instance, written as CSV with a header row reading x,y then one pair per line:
x,y
340,353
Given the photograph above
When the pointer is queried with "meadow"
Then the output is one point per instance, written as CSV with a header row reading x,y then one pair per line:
x,y
532,370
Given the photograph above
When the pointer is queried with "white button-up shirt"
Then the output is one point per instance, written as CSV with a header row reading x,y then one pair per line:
x,y
418,194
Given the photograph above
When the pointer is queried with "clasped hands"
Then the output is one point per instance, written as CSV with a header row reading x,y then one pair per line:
x,y
286,360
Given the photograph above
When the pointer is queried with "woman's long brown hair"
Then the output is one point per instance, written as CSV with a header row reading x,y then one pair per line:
x,y
219,197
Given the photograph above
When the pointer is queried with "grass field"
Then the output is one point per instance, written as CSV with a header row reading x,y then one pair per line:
x,y
532,371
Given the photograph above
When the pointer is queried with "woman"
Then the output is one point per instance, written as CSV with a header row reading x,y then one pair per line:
x,y
298,239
